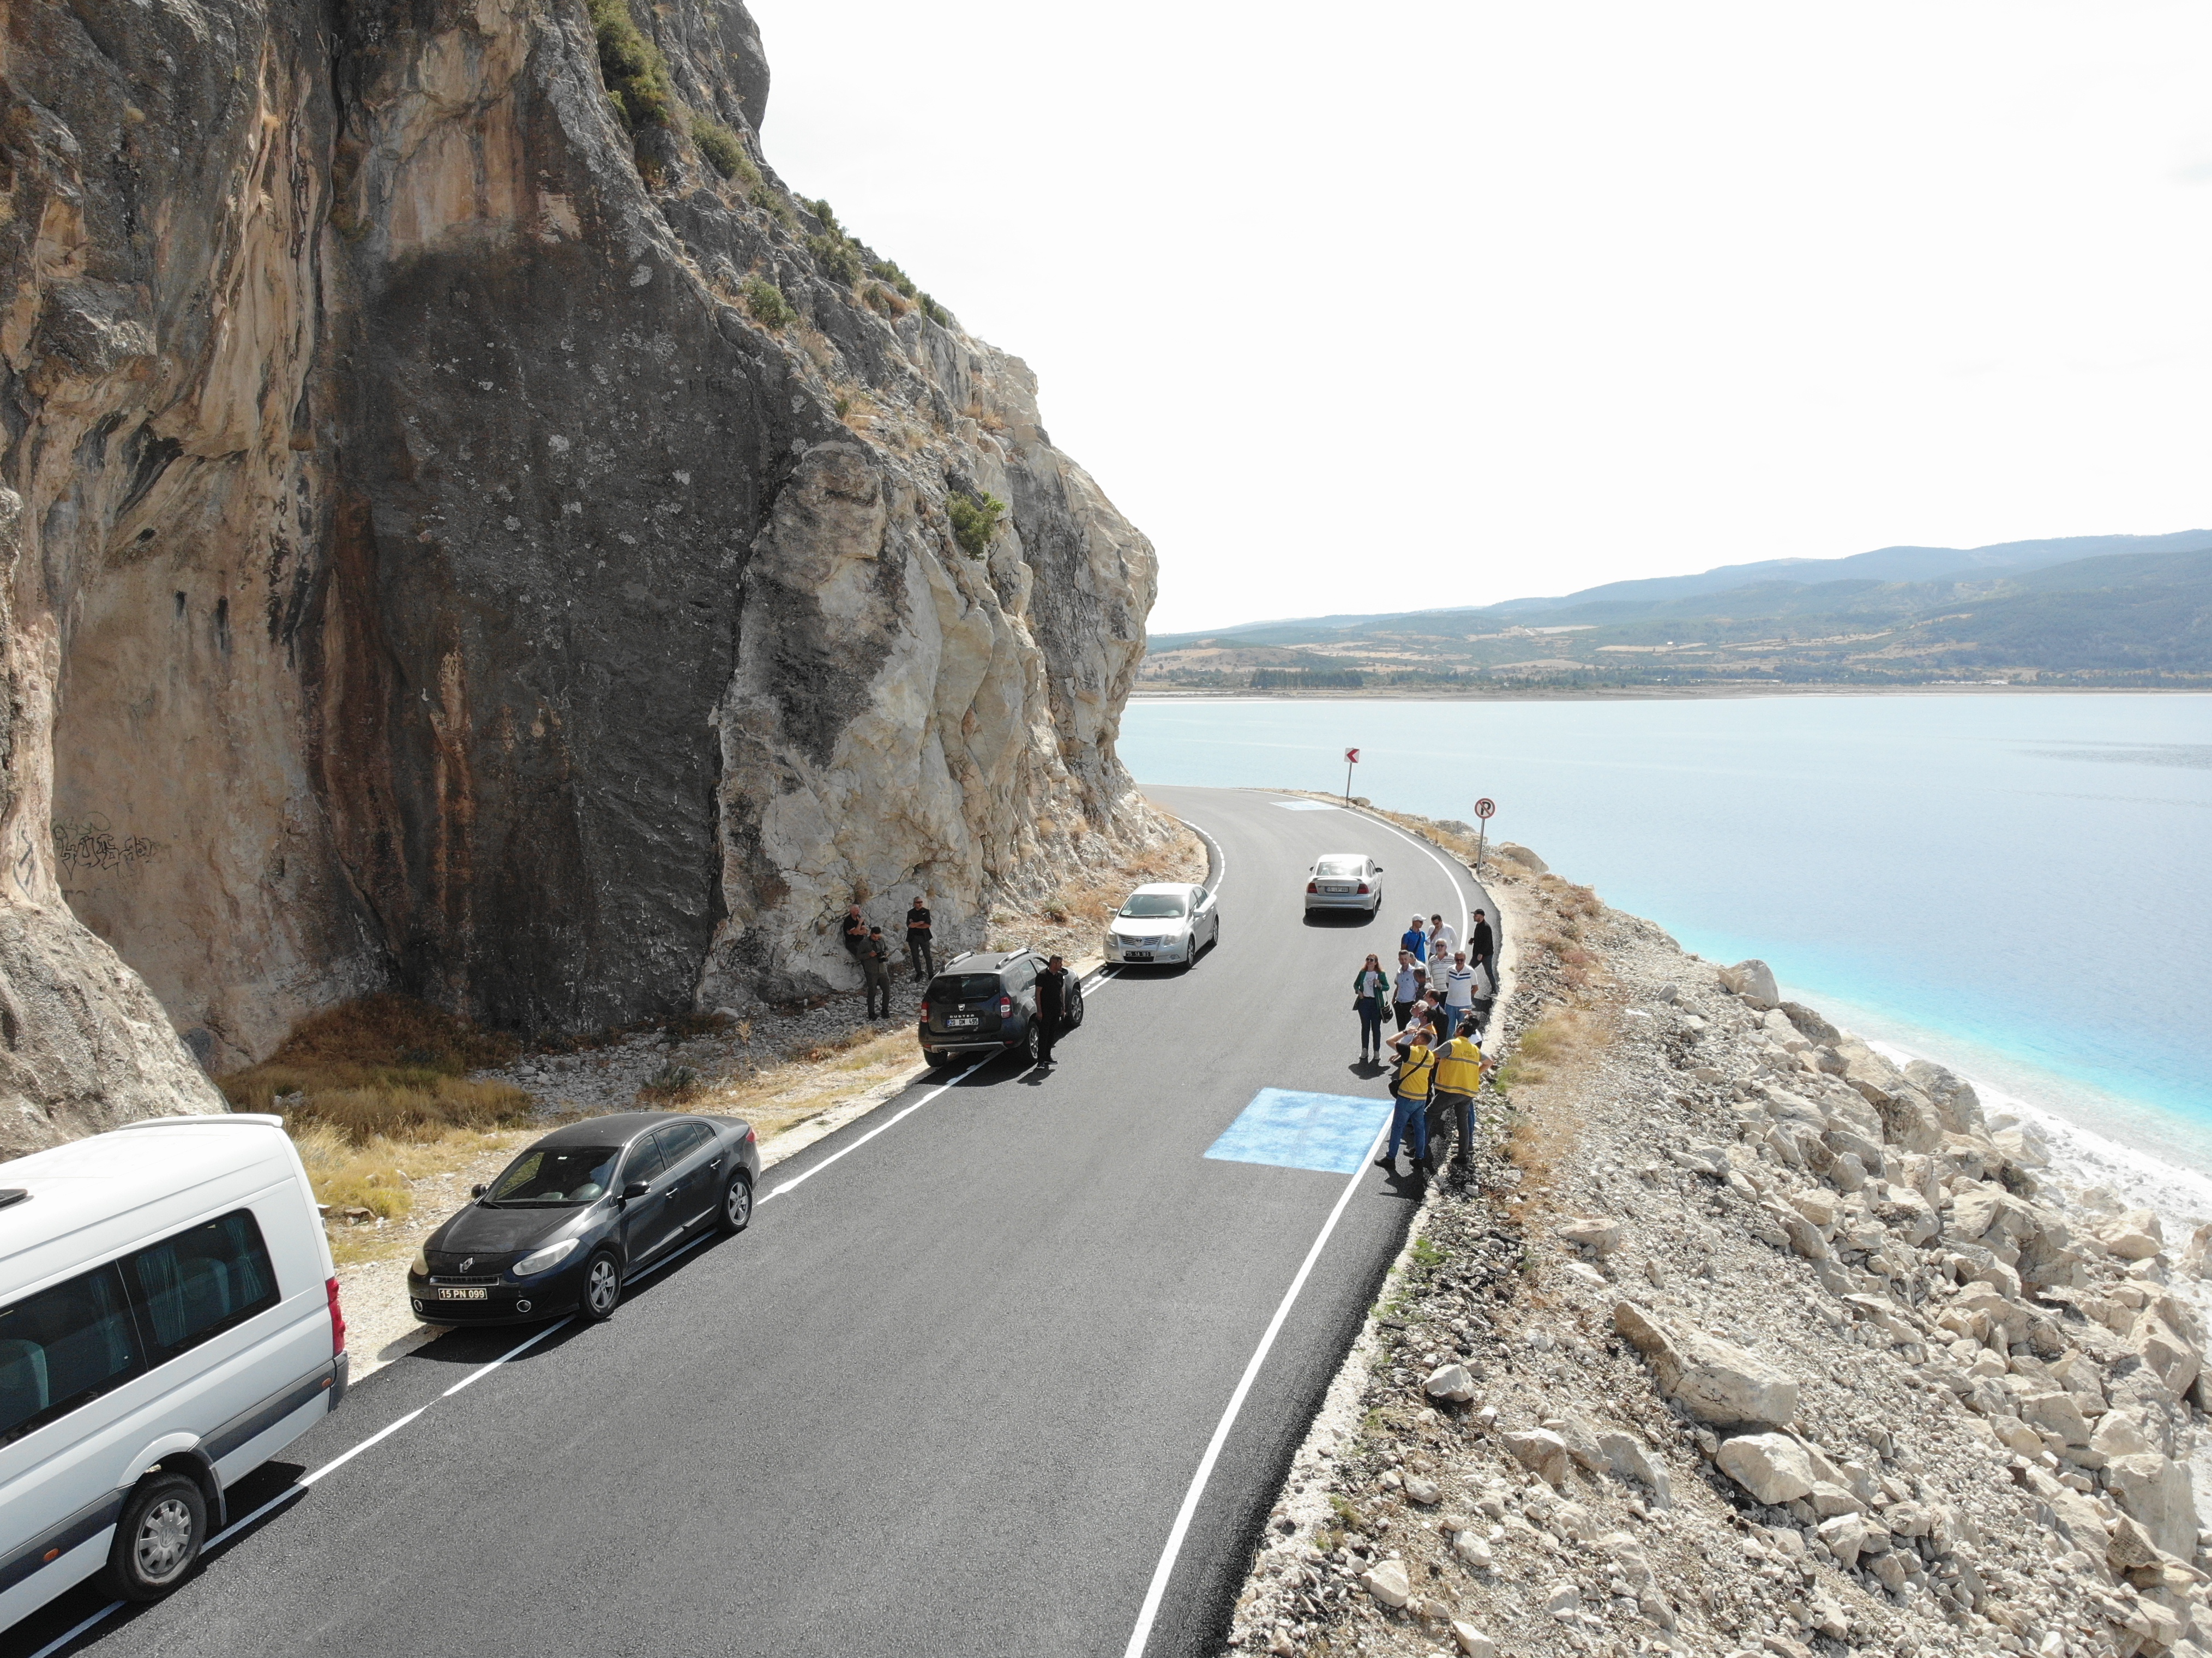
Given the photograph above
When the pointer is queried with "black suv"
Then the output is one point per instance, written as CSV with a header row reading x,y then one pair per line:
x,y
986,1002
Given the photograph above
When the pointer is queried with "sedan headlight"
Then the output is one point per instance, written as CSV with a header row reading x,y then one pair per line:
x,y
545,1260
420,1267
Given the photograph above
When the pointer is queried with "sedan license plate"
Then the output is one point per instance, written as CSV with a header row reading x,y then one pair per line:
x,y
1136,954
451,1294
1334,887
963,1021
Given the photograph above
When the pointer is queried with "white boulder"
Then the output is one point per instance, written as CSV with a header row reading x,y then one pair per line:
x,y
1715,1380
1752,981
1387,1583
1772,1468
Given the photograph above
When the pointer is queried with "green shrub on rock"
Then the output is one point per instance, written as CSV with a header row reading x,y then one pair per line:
x,y
636,73
723,150
973,521
766,302
836,257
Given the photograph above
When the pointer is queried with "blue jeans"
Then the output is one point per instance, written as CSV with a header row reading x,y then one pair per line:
x,y
1409,1118
1370,1023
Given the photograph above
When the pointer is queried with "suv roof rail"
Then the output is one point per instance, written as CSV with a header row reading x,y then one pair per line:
x,y
961,957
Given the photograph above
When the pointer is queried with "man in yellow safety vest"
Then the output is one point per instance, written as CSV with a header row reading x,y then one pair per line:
x,y
1409,1100
1461,1073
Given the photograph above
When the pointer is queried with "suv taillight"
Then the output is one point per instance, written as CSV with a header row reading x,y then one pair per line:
x,y
925,1013
1006,1007
1313,886
337,1319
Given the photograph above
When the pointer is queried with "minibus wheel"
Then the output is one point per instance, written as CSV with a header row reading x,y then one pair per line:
x,y
159,1537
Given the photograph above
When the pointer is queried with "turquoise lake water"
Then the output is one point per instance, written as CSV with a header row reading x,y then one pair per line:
x,y
2018,885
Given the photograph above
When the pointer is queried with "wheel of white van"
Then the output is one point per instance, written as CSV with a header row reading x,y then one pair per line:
x,y
738,1205
158,1538
603,1287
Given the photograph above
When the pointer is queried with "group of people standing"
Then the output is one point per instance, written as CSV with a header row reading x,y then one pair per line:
x,y
1439,1001
868,947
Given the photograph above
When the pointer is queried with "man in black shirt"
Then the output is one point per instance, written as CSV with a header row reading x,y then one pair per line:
x,y
854,929
1482,947
918,954
1052,1007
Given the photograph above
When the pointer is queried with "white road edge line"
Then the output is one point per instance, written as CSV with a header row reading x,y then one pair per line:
x,y
339,1461
1165,1569
800,1180
61,1641
515,1351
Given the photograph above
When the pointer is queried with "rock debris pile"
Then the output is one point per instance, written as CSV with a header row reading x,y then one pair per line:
x,y
1744,1340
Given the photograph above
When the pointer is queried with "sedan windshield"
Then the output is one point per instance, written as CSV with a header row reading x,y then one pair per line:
x,y
556,1176
1154,905
1344,866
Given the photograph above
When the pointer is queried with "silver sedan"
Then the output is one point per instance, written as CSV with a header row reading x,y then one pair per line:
x,y
1344,880
1162,921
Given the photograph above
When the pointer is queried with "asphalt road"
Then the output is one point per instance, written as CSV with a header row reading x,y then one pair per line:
x,y
948,1395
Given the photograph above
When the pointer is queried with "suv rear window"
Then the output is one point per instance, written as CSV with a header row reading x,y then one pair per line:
x,y
964,988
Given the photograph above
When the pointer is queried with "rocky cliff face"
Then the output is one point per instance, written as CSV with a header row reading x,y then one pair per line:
x,y
461,539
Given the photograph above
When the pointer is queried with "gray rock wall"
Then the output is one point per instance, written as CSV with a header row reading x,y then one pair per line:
x,y
426,572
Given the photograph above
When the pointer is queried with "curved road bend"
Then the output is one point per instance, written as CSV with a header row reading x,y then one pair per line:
x,y
948,1394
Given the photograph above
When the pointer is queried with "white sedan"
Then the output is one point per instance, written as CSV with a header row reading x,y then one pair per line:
x,y
1344,880
1162,921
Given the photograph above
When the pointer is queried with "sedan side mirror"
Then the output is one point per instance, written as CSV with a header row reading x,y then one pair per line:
x,y
1378,869
478,1191
636,1188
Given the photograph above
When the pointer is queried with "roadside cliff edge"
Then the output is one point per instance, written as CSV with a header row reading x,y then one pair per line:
x,y
471,531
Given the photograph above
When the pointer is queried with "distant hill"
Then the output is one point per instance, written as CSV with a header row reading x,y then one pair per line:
x,y
1884,564
2087,609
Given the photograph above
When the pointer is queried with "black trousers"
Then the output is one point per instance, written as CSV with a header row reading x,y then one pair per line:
x,y
877,976
1049,1030
919,957
1404,1012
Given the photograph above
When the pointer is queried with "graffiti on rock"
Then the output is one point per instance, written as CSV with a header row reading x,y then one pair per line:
x,y
94,845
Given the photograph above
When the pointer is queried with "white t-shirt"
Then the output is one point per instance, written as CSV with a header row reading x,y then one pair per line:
x,y
1459,988
1442,940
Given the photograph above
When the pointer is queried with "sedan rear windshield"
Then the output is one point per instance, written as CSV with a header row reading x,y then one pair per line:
x,y
556,1176
1341,866
964,988
1152,905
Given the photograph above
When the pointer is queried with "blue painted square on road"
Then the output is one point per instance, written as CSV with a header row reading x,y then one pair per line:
x,y
1330,1133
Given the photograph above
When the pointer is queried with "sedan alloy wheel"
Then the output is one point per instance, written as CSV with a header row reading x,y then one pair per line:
x,y
602,1287
738,1206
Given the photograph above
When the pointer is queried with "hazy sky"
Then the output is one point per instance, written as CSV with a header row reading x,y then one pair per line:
x,y
1442,304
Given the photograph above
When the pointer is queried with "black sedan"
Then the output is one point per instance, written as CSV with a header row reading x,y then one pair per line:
x,y
581,1213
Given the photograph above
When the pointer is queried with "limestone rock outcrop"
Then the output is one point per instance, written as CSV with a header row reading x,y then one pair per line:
x,y
473,534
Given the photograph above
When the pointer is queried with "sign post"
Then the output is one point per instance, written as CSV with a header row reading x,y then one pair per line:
x,y
1483,809
1350,759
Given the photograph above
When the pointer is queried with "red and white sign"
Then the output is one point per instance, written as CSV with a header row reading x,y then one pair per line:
x,y
1485,807
1352,756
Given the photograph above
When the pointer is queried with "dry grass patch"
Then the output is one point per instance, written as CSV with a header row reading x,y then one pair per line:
x,y
1544,1076
382,1067
381,1176
782,1097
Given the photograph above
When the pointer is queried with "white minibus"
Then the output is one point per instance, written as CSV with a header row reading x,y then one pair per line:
x,y
168,1322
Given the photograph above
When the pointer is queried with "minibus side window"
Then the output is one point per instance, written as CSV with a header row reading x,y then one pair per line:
x,y
62,1348
198,1283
